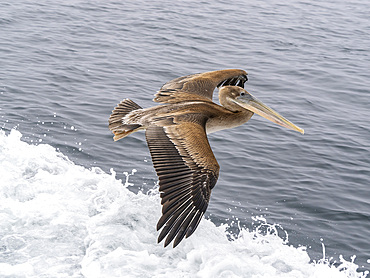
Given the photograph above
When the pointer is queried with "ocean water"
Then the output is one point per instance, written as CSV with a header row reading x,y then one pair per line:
x,y
59,219
73,203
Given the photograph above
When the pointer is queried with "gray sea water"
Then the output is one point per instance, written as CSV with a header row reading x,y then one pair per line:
x,y
65,65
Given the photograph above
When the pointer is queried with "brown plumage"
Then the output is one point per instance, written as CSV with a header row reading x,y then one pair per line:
x,y
176,133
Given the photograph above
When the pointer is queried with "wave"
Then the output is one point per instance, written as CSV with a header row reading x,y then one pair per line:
x,y
59,219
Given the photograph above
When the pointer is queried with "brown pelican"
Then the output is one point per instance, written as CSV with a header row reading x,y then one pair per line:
x,y
176,133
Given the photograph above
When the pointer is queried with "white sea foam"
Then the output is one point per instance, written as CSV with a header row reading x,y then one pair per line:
x,y
58,219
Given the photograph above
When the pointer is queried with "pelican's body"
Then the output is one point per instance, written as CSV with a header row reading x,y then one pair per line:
x,y
218,118
176,134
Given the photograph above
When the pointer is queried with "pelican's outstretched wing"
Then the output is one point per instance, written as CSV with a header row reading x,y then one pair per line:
x,y
199,86
187,171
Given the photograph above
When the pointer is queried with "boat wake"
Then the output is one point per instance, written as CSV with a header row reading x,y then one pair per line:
x,y
60,219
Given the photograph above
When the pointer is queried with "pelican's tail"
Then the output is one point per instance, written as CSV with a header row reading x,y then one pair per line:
x,y
116,125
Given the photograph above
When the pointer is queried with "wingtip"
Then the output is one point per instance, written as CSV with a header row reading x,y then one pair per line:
x,y
175,243
168,241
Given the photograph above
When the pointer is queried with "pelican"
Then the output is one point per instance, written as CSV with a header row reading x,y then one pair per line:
x,y
176,134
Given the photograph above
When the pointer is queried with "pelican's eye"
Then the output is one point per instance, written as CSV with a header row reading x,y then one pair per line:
x,y
242,93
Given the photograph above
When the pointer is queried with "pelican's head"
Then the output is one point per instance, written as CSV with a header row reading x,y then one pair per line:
x,y
236,99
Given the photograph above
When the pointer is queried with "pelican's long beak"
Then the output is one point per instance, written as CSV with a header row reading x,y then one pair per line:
x,y
251,103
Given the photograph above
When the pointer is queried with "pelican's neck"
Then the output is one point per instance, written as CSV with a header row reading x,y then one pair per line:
x,y
228,120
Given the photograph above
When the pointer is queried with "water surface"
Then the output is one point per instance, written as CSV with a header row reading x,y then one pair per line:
x,y
64,66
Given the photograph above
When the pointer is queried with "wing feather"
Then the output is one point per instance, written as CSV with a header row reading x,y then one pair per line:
x,y
199,86
187,171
